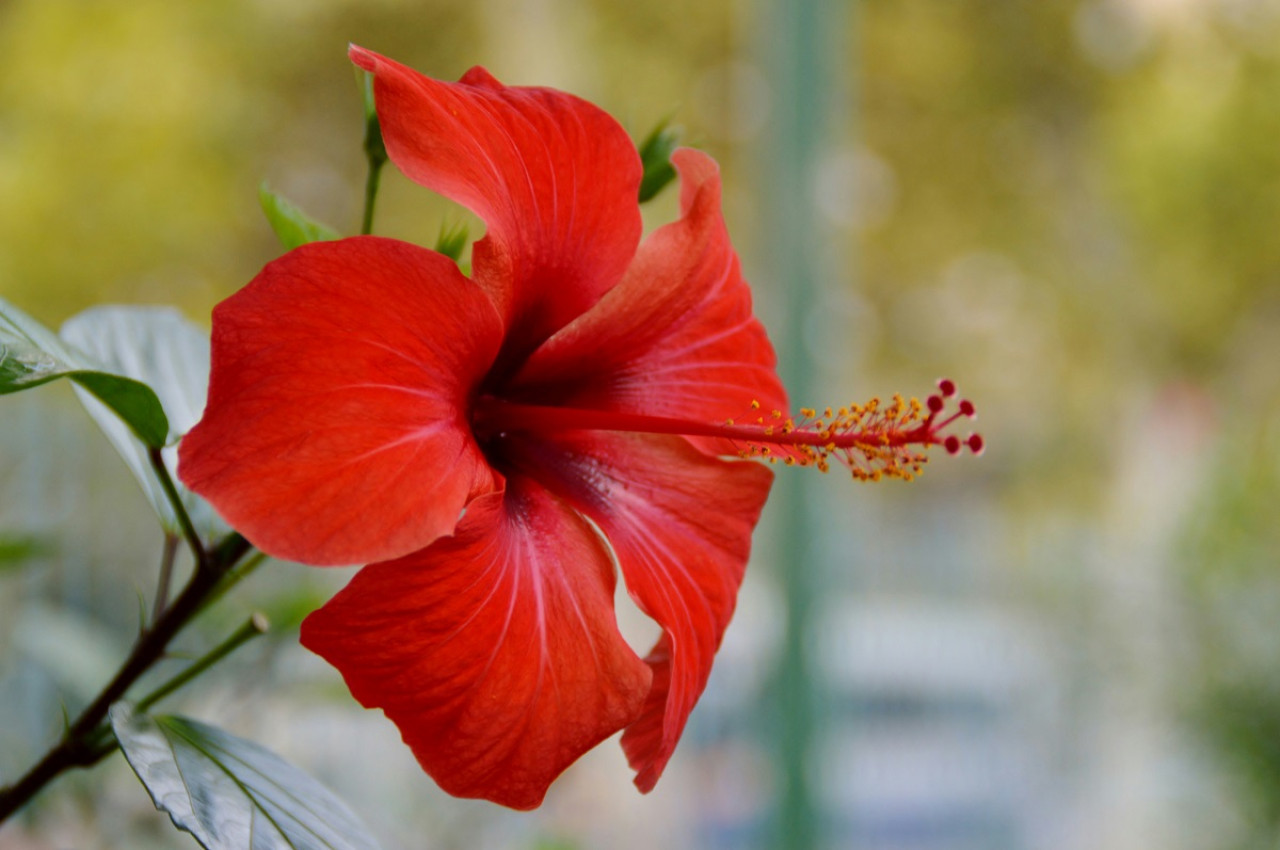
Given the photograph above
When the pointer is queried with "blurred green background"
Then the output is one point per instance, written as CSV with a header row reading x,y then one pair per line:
x,y
1067,206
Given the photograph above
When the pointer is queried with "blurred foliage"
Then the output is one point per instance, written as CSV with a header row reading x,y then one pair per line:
x,y
1072,199
16,549
1073,205
1231,565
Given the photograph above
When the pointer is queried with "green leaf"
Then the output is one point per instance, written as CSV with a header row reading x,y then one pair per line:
x,y
655,156
452,240
292,226
232,794
158,347
31,355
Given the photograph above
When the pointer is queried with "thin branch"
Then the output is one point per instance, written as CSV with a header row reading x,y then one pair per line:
x,y
171,542
81,745
256,625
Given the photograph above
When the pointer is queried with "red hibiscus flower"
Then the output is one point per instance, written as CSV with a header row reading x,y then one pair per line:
x,y
496,444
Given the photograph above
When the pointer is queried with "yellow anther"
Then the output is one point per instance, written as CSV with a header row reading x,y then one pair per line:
x,y
755,405
873,440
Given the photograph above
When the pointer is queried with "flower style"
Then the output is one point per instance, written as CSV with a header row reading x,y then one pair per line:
x,y
492,446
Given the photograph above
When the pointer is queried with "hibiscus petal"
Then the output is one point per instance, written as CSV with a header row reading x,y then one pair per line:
x,y
495,651
554,178
336,427
680,526
676,337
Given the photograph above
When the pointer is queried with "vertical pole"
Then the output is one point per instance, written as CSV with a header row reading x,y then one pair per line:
x,y
801,39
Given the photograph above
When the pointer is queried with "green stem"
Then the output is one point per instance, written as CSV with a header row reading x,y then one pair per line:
x,y
370,196
234,577
375,152
179,509
253,627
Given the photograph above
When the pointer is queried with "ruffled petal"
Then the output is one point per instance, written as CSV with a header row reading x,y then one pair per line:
x,y
555,179
680,524
336,429
495,651
677,337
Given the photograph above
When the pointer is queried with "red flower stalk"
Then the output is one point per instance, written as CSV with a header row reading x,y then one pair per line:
x,y
495,444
